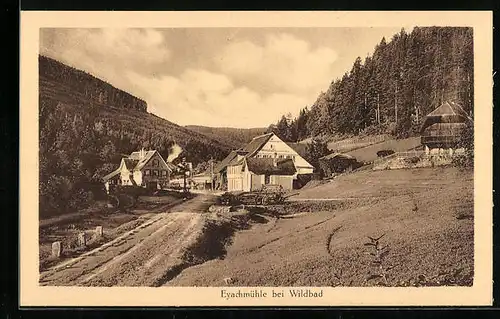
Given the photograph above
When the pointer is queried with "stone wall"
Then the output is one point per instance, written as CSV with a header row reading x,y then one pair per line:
x,y
430,158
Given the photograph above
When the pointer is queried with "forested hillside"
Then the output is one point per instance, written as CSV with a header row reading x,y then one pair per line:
x,y
394,88
236,137
82,139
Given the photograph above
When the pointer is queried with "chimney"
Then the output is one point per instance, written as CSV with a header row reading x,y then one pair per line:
x,y
141,153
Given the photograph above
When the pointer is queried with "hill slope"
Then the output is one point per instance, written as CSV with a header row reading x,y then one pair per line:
x,y
86,125
236,137
426,216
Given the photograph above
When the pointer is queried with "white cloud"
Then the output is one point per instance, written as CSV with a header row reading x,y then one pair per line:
x,y
205,98
106,53
284,63
253,84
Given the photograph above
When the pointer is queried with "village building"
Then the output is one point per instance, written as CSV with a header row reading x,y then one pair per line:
x,y
442,128
143,168
337,163
265,160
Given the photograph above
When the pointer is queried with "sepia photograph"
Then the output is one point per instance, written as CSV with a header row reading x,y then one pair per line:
x,y
304,158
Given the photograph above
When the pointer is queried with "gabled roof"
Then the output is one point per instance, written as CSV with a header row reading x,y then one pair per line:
x,y
265,166
130,164
300,148
236,161
449,108
257,143
140,162
225,161
448,112
111,175
172,167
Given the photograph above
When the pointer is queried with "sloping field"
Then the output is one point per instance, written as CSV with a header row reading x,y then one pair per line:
x,y
384,184
369,153
427,222
348,144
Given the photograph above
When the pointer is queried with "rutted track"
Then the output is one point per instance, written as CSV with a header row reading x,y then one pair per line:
x,y
140,257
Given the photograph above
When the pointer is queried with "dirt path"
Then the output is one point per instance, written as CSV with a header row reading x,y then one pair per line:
x,y
140,257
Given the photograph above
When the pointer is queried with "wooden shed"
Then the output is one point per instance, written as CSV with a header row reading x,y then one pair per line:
x,y
338,163
442,127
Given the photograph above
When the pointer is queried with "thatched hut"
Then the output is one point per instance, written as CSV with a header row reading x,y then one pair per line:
x,y
442,127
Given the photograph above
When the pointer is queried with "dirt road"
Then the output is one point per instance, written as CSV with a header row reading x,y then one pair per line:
x,y
144,256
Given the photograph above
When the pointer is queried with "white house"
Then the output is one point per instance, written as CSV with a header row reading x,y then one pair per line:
x,y
142,168
265,160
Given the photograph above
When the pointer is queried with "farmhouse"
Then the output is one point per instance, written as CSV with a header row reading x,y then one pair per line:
x,y
142,168
442,127
265,160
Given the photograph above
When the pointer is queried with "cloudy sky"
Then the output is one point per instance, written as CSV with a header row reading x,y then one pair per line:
x,y
231,77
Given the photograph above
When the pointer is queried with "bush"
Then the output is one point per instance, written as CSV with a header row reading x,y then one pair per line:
x,y
463,161
412,160
466,142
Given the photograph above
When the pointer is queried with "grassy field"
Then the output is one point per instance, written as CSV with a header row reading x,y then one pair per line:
x,y
346,145
426,217
369,153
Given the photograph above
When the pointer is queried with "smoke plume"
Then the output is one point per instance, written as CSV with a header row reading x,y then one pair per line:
x,y
175,150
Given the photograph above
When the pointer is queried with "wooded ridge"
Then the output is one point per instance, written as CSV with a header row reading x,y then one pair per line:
x,y
393,89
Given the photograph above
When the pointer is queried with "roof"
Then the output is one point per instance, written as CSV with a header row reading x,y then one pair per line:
x,y
111,175
448,112
172,167
235,161
338,155
265,166
225,162
257,143
300,148
130,164
448,108
144,160
140,162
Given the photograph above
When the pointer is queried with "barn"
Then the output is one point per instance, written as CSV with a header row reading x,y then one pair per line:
x,y
442,127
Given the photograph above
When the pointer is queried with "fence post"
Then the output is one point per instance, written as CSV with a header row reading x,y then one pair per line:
x,y
56,249
81,239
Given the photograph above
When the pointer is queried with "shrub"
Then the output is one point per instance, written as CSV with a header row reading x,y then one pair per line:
x,y
412,160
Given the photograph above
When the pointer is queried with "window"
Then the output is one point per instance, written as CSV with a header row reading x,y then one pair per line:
x,y
147,172
267,179
163,173
156,163
155,172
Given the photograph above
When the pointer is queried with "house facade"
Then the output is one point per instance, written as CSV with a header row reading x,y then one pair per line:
x,y
265,160
143,168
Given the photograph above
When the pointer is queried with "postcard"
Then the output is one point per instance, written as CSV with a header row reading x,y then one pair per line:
x,y
256,158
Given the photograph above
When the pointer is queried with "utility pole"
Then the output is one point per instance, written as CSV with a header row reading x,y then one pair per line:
x,y
184,170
